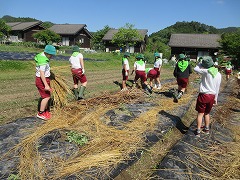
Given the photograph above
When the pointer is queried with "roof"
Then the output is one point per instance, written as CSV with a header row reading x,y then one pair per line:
x,y
21,26
195,40
111,32
69,29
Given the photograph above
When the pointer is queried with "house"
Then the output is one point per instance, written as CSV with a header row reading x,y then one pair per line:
x,y
194,45
139,47
23,31
73,34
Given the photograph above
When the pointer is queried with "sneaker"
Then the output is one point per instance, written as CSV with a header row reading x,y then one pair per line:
x,y
48,114
159,87
197,133
205,130
42,116
155,86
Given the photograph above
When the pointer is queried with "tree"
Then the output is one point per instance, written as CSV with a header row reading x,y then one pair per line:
x,y
47,36
47,24
97,38
127,36
230,44
4,29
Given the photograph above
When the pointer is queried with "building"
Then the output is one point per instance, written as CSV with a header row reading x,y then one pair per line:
x,y
23,31
139,47
194,45
73,34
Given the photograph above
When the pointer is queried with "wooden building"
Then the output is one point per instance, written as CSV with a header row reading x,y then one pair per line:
x,y
139,47
194,45
73,34
24,30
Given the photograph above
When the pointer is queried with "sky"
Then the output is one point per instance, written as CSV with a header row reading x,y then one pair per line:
x,y
153,15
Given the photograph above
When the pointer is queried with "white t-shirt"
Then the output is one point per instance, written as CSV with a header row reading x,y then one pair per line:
x,y
158,63
125,62
75,61
45,68
139,66
209,84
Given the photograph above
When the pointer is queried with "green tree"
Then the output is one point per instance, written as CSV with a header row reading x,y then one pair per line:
x,y
4,29
47,36
97,38
47,24
230,44
127,36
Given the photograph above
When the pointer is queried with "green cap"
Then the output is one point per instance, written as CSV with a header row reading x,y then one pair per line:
x,y
75,49
181,56
127,54
50,49
156,54
207,62
139,56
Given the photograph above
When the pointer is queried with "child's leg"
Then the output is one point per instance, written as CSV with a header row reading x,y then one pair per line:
x,y
199,120
44,104
207,120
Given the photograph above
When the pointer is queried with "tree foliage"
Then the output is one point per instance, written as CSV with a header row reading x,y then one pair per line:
x,y
47,36
4,29
8,18
182,27
97,38
47,24
127,36
230,44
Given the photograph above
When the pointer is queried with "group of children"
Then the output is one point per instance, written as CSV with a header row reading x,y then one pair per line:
x,y
43,74
208,90
141,72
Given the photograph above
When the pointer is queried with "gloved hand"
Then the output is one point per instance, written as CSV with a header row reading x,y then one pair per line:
x,y
83,71
126,73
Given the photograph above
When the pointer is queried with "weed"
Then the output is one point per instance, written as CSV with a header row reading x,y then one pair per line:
x,y
79,139
13,177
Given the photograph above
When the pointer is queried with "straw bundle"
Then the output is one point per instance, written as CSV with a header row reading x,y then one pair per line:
x,y
61,91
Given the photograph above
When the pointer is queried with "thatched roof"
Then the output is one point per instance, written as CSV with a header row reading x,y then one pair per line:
x,y
109,35
195,40
69,29
21,26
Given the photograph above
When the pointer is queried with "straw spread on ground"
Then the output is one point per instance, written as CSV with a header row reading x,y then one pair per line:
x,y
107,146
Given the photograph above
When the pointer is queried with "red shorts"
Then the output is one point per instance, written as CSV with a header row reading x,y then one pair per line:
x,y
158,72
124,76
182,82
152,74
228,72
141,75
40,86
204,103
78,76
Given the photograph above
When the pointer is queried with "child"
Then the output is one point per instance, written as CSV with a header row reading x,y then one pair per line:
x,y
42,80
228,70
125,70
151,74
78,73
139,68
208,92
157,67
182,72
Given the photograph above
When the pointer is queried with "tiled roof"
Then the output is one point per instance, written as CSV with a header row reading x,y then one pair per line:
x,y
68,29
21,26
195,40
111,32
